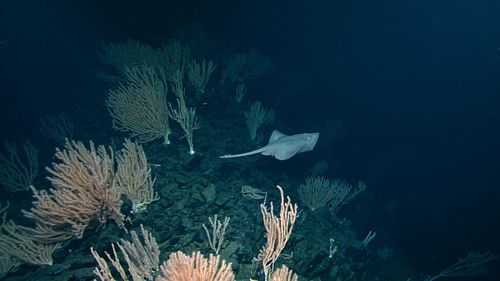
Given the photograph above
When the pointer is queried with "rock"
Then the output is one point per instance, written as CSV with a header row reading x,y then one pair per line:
x,y
209,193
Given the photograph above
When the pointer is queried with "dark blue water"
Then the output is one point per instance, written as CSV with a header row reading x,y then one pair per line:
x,y
413,85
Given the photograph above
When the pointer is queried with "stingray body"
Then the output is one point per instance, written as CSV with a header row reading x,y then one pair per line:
x,y
283,147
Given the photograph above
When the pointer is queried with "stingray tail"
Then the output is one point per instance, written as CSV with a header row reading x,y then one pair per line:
x,y
241,154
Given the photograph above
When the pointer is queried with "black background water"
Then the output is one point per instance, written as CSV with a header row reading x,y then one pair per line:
x,y
417,84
